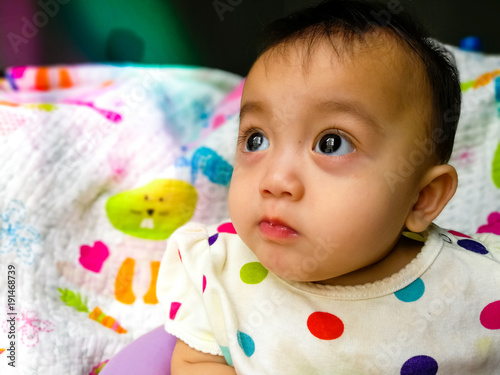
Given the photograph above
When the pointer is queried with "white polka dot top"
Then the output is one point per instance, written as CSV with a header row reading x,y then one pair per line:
x,y
438,315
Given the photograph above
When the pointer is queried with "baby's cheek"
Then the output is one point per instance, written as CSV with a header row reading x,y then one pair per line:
x,y
237,209
233,206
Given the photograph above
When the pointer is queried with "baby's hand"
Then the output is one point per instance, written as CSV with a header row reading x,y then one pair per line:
x,y
188,361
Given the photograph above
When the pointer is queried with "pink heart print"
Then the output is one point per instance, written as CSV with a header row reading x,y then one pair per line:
x,y
92,258
493,225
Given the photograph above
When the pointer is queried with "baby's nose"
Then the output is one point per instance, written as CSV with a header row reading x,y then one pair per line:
x,y
283,180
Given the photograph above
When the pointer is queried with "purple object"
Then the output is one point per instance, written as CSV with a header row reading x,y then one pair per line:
x,y
149,354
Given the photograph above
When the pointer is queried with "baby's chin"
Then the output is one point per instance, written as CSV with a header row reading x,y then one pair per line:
x,y
298,274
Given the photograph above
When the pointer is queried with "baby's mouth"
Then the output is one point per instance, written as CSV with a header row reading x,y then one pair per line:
x,y
277,229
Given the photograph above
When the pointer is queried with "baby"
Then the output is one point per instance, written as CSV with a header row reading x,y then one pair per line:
x,y
331,263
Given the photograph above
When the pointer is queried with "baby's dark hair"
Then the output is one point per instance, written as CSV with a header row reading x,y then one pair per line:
x,y
353,20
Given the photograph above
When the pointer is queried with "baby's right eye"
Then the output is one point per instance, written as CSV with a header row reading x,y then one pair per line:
x,y
256,142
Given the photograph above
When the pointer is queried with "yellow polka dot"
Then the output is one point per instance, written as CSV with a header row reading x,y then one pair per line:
x,y
484,346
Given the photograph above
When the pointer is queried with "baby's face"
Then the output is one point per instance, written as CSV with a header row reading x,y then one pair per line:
x,y
325,171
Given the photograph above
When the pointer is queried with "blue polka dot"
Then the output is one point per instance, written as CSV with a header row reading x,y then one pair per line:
x,y
411,292
212,239
473,246
246,343
420,365
227,355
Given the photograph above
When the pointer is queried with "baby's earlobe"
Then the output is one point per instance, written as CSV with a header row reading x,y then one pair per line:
x,y
438,186
416,222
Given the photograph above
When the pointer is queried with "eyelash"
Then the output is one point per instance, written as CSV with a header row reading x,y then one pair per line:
x,y
334,130
243,137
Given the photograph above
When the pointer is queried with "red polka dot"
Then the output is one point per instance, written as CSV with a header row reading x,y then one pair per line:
x,y
325,326
204,283
180,256
174,307
490,316
226,228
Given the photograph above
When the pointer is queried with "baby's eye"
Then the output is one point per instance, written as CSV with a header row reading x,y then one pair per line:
x,y
333,144
256,142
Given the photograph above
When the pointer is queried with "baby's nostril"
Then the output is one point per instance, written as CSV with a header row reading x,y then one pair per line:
x,y
150,212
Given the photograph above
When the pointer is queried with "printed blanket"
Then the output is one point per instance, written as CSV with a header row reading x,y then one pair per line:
x,y
100,164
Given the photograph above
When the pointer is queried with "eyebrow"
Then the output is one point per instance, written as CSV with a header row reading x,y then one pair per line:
x,y
252,107
348,107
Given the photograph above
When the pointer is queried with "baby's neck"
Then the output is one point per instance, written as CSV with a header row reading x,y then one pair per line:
x,y
398,258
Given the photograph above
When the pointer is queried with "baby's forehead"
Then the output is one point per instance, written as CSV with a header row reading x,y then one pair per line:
x,y
377,52
380,55
377,45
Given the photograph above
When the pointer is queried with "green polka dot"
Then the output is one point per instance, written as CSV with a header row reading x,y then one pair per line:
x,y
495,167
414,236
253,273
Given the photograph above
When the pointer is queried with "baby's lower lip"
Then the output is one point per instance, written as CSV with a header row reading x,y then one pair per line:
x,y
276,231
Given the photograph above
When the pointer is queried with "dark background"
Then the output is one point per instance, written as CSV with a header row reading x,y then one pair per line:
x,y
219,34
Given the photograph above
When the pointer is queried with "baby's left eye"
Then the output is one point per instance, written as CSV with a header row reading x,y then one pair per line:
x,y
333,144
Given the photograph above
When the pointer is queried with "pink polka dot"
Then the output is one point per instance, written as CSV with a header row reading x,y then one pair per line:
x,y
174,307
226,228
458,234
325,326
490,316
204,283
493,225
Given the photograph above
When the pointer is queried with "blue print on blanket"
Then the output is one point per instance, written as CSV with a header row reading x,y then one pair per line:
x,y
497,89
187,111
212,165
14,235
497,93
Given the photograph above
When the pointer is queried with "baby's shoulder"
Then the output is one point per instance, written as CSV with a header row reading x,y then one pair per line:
x,y
199,243
194,233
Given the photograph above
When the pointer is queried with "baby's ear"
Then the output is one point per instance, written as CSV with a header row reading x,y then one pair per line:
x,y
438,185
